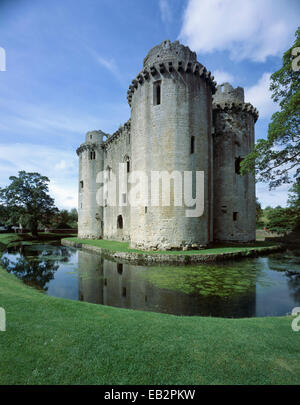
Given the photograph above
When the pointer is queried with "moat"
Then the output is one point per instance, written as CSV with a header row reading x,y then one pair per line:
x,y
253,287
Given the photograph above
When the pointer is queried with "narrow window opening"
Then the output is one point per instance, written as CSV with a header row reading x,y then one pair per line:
x,y
156,93
105,281
120,222
235,216
92,155
146,210
128,166
120,268
124,198
81,184
124,292
108,173
237,164
192,144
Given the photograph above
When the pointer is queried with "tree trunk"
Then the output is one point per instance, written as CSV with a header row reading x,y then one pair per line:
x,y
34,230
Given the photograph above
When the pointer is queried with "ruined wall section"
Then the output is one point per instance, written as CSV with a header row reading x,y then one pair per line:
x,y
91,159
234,194
117,149
161,141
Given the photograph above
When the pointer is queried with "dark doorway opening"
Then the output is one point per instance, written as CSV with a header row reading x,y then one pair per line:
x,y
120,268
120,222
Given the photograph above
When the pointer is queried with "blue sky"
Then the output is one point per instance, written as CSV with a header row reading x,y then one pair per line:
x,y
69,64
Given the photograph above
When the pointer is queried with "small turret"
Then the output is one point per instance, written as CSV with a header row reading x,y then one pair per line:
x,y
90,214
234,194
226,93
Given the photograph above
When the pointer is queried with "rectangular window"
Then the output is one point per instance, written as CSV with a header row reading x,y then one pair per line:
x,y
192,144
124,292
81,184
124,197
156,93
237,164
146,209
235,216
128,166
92,155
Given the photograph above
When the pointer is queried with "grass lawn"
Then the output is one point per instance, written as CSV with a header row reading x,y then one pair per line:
x,y
116,246
57,341
11,238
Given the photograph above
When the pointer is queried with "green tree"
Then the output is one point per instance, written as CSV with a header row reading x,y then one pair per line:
x,y
276,160
259,213
65,219
294,203
280,220
27,196
4,215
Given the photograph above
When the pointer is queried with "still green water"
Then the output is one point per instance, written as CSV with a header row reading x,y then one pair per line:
x,y
264,286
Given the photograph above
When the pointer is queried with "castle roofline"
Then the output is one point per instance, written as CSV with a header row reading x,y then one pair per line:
x,y
167,51
235,107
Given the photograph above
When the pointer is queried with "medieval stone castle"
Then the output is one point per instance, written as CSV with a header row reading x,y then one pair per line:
x,y
180,121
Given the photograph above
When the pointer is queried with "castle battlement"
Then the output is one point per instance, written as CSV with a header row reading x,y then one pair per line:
x,y
123,129
173,66
168,51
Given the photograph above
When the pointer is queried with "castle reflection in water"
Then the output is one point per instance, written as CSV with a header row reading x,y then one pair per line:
x,y
106,282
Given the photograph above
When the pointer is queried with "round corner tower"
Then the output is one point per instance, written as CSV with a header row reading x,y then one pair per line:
x,y
171,124
233,139
90,214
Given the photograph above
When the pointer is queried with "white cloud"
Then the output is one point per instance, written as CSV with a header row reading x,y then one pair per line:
x,y
109,64
21,117
259,96
274,197
248,29
17,116
59,165
223,77
65,195
165,11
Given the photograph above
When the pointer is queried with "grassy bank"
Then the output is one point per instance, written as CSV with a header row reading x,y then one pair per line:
x,y
115,246
11,238
57,341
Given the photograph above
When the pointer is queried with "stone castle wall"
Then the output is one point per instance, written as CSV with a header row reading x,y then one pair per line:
x,y
171,102
117,149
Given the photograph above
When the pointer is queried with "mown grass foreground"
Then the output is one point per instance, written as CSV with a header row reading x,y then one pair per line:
x,y
116,246
57,341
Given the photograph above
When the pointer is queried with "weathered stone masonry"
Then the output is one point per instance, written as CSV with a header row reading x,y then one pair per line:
x,y
179,121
